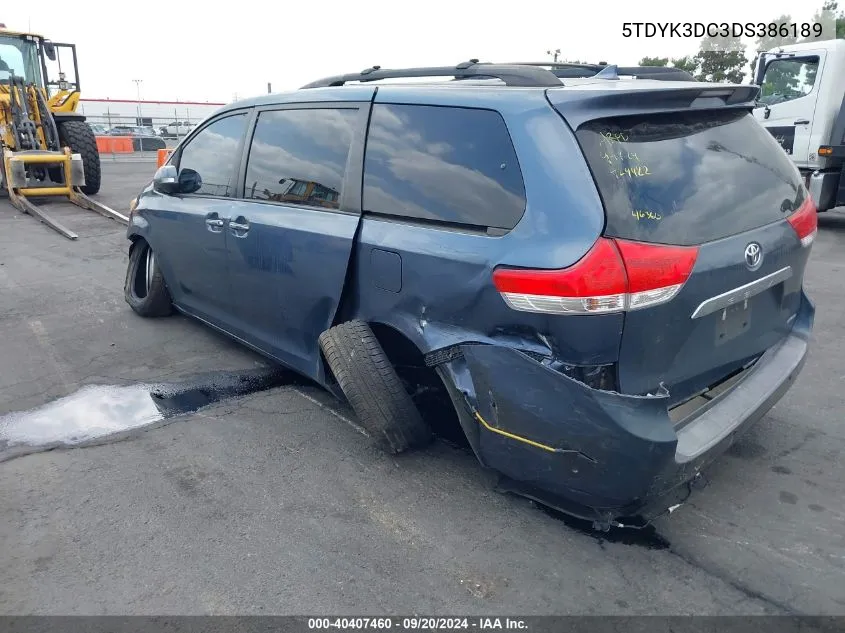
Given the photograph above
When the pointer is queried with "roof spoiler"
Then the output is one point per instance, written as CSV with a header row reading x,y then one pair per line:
x,y
583,105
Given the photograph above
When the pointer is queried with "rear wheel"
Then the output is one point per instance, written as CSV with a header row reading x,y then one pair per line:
x,y
144,289
373,388
81,140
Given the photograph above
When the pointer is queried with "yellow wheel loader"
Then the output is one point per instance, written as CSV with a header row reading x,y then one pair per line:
x,y
46,147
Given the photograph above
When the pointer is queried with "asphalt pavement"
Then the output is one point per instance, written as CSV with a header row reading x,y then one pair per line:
x,y
273,503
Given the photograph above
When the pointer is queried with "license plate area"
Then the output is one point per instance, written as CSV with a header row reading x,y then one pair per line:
x,y
733,321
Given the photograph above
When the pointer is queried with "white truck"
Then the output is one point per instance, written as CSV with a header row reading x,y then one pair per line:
x,y
802,104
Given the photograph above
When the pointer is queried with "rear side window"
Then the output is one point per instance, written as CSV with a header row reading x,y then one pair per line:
x,y
689,178
454,165
213,154
298,157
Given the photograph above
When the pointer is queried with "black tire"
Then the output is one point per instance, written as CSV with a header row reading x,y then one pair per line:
x,y
81,140
151,300
373,388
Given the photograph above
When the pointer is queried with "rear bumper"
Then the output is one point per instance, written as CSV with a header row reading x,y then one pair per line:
x,y
600,454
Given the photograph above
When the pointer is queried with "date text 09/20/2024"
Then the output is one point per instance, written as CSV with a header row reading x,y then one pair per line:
x,y
724,29
418,623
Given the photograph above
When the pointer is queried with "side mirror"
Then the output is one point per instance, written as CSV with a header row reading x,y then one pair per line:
x,y
166,180
760,69
189,181
49,50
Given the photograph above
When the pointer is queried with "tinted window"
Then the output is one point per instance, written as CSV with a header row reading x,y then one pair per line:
x,y
788,79
213,154
299,156
689,178
454,165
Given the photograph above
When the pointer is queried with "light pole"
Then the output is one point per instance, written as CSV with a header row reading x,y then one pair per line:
x,y
555,53
138,83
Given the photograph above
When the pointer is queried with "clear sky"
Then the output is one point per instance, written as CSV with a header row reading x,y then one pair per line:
x,y
188,51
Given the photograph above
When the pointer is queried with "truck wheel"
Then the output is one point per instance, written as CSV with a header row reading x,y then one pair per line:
x,y
144,288
80,139
373,388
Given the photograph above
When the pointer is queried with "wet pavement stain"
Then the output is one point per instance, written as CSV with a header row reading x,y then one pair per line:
x,y
640,534
746,449
99,413
787,497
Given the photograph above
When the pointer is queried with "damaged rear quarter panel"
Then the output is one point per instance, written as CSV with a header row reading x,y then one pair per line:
x,y
433,284
608,447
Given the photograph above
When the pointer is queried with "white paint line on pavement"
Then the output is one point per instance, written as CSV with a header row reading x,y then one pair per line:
x,y
333,412
44,341
6,281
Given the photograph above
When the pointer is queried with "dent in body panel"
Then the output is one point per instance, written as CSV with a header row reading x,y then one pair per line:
x,y
536,426
447,298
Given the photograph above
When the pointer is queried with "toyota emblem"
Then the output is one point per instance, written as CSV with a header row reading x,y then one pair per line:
x,y
753,256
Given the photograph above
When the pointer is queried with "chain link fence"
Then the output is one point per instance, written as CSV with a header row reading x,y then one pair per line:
x,y
133,138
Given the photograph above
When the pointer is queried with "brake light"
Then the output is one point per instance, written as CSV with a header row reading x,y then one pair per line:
x,y
614,276
805,221
656,273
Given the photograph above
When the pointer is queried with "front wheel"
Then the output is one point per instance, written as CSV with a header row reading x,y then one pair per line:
x,y
144,289
81,140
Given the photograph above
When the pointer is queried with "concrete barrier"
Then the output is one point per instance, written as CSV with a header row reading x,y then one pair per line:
x,y
163,155
115,144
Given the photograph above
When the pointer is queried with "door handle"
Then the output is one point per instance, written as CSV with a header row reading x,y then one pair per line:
x,y
239,226
802,122
214,223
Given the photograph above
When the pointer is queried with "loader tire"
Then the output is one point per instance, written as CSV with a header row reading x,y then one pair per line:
x,y
147,300
81,140
373,388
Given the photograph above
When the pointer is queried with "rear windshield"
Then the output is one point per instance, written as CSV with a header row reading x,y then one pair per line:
x,y
689,178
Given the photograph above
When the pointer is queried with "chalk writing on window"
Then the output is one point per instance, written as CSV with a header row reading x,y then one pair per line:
x,y
646,215
621,162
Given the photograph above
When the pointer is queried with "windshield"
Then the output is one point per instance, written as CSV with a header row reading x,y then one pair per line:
x,y
19,56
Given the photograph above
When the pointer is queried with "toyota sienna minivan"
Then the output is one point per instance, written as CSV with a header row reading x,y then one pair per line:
x,y
603,276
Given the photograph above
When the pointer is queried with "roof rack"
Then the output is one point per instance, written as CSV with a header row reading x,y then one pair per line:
x,y
571,70
525,75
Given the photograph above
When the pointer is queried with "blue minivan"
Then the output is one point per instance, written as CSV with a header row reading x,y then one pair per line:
x,y
603,276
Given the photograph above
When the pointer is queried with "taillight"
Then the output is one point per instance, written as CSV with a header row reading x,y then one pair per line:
x,y
656,273
614,276
805,221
